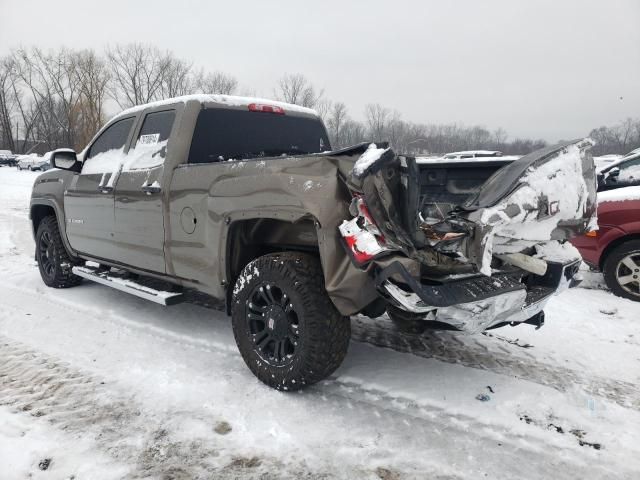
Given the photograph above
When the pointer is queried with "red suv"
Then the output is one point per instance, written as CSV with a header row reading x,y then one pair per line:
x,y
615,247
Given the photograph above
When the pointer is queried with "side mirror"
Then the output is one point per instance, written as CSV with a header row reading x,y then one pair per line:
x,y
65,159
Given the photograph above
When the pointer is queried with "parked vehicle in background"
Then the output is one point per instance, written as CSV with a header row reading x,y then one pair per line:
x,y
7,158
241,199
614,249
34,162
473,154
622,173
604,161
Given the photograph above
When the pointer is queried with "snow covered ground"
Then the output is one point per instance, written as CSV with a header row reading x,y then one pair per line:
x,y
96,384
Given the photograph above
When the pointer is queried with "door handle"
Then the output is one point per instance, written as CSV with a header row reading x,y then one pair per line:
x,y
149,189
105,189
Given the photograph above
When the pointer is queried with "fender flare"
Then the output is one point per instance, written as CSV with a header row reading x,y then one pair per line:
x,y
60,218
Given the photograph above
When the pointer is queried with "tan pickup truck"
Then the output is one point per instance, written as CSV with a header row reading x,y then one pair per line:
x,y
242,201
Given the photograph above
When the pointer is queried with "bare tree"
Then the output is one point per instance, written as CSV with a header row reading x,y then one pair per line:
x,y
215,82
377,117
137,73
7,105
296,89
335,122
55,89
93,77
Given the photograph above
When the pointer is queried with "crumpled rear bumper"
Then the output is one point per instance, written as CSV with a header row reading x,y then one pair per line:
x,y
475,303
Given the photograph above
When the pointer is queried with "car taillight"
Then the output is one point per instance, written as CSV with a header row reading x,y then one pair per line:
x,y
592,233
362,236
261,107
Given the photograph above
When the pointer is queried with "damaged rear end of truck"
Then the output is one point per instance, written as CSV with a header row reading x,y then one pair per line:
x,y
493,259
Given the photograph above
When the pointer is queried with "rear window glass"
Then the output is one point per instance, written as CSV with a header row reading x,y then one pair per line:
x,y
224,134
157,127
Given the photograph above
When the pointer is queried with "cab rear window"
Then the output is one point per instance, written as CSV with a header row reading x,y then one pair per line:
x,y
225,134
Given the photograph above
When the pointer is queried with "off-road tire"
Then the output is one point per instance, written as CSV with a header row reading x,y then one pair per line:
x,y
611,264
54,262
322,332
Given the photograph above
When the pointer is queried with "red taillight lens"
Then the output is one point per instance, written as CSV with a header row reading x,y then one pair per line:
x,y
260,107
361,235
358,256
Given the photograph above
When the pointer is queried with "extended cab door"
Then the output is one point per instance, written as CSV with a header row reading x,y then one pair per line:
x,y
88,202
139,221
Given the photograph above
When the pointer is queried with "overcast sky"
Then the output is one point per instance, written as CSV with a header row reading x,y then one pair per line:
x,y
550,69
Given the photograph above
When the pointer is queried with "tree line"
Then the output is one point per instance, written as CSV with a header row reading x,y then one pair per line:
x,y
58,99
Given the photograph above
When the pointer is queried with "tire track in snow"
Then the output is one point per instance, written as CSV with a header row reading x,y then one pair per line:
x,y
446,347
78,403
450,348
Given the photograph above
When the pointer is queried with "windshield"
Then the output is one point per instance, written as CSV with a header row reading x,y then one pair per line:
x,y
224,134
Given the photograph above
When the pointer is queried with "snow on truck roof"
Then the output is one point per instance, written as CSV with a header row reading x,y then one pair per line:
x,y
228,100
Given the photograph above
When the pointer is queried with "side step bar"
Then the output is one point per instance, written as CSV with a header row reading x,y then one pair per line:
x,y
123,284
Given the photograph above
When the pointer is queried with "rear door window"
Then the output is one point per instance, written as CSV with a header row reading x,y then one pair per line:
x,y
225,134
151,145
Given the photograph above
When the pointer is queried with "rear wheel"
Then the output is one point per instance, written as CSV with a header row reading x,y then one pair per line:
x,y
54,262
287,329
622,270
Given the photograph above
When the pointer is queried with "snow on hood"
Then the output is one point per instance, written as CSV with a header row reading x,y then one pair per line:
x,y
620,194
370,156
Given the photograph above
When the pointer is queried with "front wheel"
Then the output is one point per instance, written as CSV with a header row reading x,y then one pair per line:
x,y
288,331
54,262
622,270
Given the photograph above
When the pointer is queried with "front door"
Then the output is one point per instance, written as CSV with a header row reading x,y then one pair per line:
x,y
139,221
89,200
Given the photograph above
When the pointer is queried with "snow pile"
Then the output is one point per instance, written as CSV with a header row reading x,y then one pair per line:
x,y
371,155
620,194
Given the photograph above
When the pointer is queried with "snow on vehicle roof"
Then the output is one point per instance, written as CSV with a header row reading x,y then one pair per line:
x,y
229,100
476,152
620,194
503,158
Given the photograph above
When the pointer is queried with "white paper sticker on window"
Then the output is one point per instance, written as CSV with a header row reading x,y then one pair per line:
x,y
149,139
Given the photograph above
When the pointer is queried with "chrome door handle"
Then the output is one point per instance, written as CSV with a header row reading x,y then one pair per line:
x,y
105,189
149,189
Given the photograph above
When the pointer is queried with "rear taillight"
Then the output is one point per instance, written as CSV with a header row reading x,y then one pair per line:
x,y
261,107
362,236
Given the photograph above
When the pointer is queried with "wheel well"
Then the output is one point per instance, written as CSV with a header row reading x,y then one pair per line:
x,y
250,239
617,242
38,212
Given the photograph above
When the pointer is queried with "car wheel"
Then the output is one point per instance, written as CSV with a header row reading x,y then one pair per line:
x,y
288,331
622,270
54,262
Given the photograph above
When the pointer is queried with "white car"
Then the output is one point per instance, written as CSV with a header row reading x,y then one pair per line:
x,y
34,162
